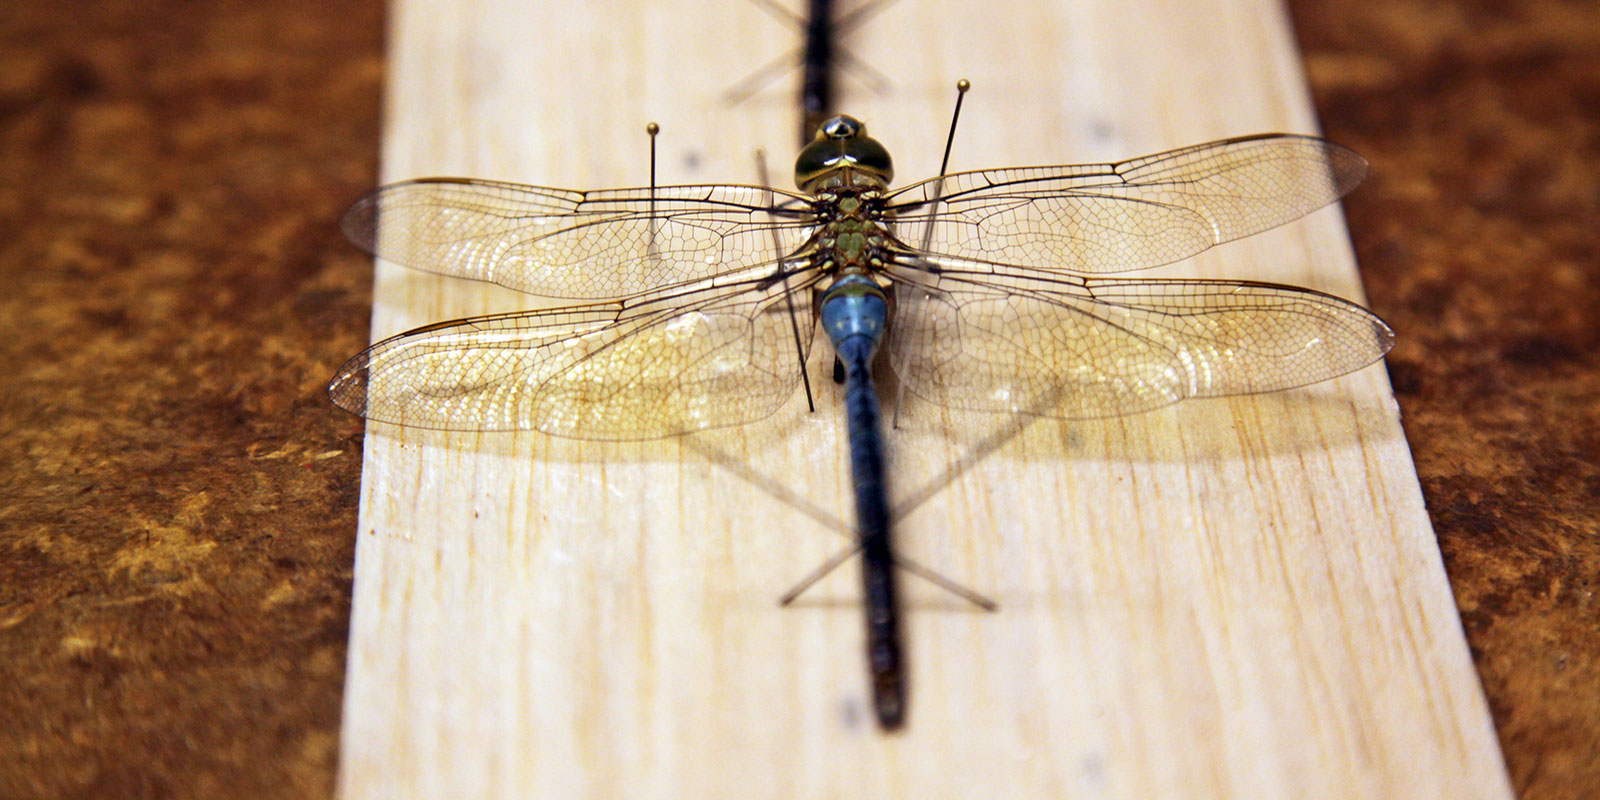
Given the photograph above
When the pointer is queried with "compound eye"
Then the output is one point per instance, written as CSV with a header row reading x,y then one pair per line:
x,y
842,127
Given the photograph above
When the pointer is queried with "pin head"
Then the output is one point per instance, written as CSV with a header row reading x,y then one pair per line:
x,y
842,154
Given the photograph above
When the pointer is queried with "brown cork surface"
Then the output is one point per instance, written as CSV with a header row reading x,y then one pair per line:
x,y
1478,238
178,500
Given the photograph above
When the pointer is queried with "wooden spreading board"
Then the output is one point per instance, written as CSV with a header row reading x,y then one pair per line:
x,y
1229,598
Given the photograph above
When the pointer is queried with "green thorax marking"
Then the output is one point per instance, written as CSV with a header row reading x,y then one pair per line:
x,y
853,234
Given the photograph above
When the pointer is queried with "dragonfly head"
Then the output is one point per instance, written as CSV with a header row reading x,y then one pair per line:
x,y
842,154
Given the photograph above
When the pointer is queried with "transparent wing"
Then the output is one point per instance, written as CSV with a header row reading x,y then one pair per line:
x,y
578,245
669,365
1101,218
1080,348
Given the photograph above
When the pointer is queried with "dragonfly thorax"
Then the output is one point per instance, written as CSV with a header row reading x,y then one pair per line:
x,y
843,155
852,237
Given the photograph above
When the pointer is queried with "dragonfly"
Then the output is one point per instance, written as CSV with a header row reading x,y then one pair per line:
x,y
695,307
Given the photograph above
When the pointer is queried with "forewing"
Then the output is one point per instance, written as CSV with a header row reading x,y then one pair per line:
x,y
1101,347
1103,218
578,245
669,366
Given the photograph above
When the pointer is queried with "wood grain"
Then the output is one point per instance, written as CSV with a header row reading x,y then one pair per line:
x,y
1229,598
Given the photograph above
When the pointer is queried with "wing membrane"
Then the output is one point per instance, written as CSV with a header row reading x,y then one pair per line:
x,y
578,245
1082,348
1105,218
672,365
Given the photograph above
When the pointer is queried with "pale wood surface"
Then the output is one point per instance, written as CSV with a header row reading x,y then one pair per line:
x,y
1236,598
